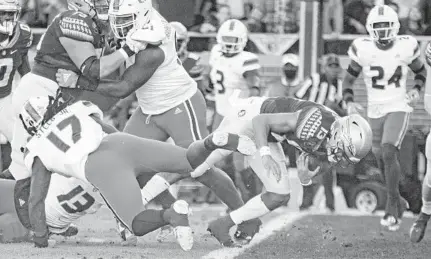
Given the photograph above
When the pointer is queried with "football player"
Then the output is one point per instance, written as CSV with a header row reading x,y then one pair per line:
x,y
67,200
170,104
72,140
15,40
234,72
418,229
384,59
314,129
70,42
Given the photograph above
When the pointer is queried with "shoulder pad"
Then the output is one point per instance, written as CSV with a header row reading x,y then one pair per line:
x,y
355,47
251,61
78,26
152,34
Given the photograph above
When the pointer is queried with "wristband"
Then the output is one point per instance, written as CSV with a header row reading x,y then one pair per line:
x,y
264,151
126,52
417,87
306,184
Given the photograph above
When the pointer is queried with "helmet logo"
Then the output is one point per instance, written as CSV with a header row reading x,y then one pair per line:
x,y
381,10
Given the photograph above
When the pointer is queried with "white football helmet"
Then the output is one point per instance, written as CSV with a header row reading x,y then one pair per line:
x,y
383,24
350,140
100,7
125,15
9,15
33,112
232,36
182,37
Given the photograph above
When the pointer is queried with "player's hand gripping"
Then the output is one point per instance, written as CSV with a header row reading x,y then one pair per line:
x,y
271,167
353,108
304,174
66,78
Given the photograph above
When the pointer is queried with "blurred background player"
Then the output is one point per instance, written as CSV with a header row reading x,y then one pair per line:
x,y
289,81
384,59
234,72
324,88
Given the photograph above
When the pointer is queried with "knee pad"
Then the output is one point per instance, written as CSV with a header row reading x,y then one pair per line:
x,y
274,200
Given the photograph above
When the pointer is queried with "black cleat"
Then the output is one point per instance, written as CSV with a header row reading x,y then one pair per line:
x,y
417,231
219,228
247,230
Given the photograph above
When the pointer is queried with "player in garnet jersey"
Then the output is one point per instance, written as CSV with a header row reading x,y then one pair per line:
x,y
312,128
15,40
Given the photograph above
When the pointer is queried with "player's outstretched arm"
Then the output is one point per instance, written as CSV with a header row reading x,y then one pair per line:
x,y
135,76
350,76
418,68
38,190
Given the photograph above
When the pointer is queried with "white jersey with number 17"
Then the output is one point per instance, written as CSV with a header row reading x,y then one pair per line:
x,y
64,142
385,72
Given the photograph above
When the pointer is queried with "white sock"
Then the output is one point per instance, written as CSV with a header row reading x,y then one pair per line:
x,y
254,208
426,207
153,187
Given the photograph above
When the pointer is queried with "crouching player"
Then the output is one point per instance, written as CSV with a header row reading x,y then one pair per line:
x,y
310,127
73,141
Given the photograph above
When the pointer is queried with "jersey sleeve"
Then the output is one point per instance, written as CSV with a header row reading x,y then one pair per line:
x,y
310,128
251,62
414,50
86,108
26,39
77,26
215,51
353,51
29,157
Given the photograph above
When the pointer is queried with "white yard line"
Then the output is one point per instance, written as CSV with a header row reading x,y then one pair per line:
x,y
268,228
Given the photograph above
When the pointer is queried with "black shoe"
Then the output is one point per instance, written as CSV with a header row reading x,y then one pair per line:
x,y
417,231
246,231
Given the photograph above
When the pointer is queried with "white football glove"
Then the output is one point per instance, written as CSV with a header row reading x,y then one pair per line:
x,y
413,96
134,45
353,108
153,33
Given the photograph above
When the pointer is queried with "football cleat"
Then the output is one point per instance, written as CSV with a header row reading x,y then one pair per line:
x,y
417,231
219,228
247,230
165,231
391,222
179,221
234,142
127,237
71,231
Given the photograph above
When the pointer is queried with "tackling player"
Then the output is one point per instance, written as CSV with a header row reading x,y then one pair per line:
x,y
384,59
234,72
418,229
314,129
70,42
72,140
15,40
170,104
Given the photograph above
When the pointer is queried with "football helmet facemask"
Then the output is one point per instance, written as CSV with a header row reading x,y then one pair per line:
x,y
350,140
124,15
383,24
232,36
9,14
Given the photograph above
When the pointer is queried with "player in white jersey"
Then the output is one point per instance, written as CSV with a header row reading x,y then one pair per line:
x,y
384,59
170,105
234,72
72,140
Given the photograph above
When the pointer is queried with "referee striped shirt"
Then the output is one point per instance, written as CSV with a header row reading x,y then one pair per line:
x,y
316,88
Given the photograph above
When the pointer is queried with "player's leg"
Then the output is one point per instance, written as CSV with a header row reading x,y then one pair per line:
x,y
417,231
7,204
395,128
113,168
277,193
186,124
377,128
